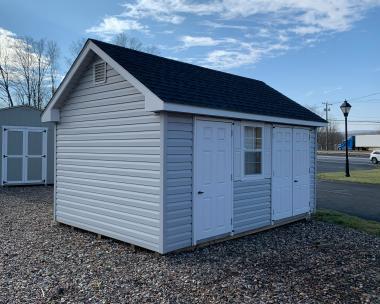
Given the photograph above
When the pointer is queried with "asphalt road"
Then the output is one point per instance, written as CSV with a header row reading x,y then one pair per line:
x,y
362,200
337,163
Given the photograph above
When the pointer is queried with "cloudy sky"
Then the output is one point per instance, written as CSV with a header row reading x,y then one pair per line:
x,y
311,50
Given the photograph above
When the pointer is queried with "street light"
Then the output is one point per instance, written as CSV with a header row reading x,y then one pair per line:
x,y
346,107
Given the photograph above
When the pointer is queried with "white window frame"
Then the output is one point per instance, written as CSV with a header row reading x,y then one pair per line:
x,y
242,149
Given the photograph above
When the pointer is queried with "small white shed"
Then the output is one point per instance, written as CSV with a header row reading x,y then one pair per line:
x,y
166,155
26,147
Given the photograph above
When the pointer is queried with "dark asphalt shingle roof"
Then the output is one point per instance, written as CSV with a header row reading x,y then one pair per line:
x,y
182,83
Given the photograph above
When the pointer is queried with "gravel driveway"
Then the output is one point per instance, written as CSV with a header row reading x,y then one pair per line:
x,y
306,262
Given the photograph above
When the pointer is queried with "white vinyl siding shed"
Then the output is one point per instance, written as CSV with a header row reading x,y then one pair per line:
x,y
129,172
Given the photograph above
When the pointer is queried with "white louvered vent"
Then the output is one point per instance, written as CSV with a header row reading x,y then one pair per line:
x,y
100,72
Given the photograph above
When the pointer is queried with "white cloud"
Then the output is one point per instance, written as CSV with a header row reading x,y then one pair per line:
x,y
190,41
263,28
195,41
217,25
322,15
111,26
243,54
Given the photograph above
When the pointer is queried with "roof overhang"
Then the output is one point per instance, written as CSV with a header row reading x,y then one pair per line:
x,y
52,113
173,107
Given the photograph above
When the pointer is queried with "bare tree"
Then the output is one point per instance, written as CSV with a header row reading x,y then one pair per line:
x,y
74,50
133,43
5,78
24,60
335,137
53,54
39,72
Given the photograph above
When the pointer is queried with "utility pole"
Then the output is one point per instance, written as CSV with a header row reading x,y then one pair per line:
x,y
327,109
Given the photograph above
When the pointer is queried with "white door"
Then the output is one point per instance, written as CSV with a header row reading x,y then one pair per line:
x,y
301,174
290,177
212,179
24,155
282,180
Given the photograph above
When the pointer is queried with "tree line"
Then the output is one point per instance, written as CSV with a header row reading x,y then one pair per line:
x,y
31,69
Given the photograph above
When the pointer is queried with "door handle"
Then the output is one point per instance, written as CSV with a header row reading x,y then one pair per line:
x,y
200,192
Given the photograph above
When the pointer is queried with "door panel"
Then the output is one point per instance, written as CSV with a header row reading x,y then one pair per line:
x,y
34,169
213,184
301,175
14,169
282,173
35,143
291,177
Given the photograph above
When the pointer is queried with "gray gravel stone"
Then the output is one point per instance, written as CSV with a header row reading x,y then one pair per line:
x,y
305,262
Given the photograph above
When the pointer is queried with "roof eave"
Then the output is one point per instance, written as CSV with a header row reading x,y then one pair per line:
x,y
173,107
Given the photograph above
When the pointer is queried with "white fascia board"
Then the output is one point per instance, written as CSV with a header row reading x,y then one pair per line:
x,y
152,101
172,107
51,114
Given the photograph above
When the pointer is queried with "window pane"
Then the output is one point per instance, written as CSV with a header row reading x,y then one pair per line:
x,y
248,138
252,163
258,139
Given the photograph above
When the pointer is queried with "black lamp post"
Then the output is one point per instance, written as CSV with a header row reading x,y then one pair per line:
x,y
346,107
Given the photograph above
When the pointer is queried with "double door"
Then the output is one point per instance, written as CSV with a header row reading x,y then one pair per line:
x,y
291,172
23,155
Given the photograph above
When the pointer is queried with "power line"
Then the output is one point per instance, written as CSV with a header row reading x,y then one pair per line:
x,y
359,97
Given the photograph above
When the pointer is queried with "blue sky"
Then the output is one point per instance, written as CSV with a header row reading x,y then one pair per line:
x,y
312,51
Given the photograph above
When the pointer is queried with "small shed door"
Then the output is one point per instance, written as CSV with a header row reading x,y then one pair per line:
x,y
301,173
290,177
212,179
24,155
282,179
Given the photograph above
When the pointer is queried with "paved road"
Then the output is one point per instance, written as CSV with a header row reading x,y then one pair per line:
x,y
353,198
337,163
362,200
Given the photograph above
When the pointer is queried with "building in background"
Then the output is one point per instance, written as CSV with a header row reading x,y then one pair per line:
x,y
26,146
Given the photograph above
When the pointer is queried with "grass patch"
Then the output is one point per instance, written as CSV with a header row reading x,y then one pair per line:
x,y
350,221
357,176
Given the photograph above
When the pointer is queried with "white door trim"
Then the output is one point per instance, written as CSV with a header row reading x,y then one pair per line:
x,y
25,155
196,119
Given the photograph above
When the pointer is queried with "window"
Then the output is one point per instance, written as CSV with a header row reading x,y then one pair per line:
x,y
100,71
253,142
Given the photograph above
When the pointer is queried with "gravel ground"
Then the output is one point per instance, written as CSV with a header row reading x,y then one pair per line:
x,y
305,262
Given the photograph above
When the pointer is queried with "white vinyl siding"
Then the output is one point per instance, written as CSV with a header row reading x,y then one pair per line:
x,y
179,182
108,161
252,205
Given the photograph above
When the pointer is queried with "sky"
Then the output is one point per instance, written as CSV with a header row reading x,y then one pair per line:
x,y
313,51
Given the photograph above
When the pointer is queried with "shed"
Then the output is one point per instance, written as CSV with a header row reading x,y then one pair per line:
x,y
26,147
165,155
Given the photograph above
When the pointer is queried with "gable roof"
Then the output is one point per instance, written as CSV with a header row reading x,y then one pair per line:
x,y
187,84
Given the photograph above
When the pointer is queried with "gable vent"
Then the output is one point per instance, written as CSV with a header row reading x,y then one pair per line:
x,y
100,72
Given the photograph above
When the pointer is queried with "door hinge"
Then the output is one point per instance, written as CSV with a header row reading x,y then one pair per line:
x,y
4,156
